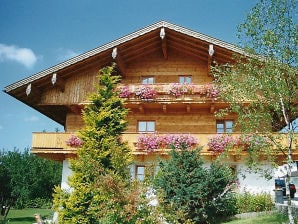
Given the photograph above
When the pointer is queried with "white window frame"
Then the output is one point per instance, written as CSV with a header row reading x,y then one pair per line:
x,y
183,79
147,128
147,80
226,127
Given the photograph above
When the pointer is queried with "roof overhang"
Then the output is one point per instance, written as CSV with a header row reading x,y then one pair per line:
x,y
127,48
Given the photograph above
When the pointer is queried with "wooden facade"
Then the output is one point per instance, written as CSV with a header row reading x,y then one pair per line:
x,y
163,52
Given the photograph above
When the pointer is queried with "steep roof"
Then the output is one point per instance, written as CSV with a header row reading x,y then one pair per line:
x,y
129,48
169,27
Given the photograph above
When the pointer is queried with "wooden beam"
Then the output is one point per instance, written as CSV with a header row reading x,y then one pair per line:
x,y
119,61
141,108
33,94
188,108
210,56
76,109
164,108
209,65
164,48
212,108
58,81
163,42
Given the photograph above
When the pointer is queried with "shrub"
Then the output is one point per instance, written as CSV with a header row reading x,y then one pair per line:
x,y
191,193
39,203
249,202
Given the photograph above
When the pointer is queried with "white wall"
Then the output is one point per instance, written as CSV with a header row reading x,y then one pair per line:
x,y
254,182
66,172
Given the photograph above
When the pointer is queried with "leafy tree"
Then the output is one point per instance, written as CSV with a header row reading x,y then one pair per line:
x,y
25,177
262,85
192,193
101,190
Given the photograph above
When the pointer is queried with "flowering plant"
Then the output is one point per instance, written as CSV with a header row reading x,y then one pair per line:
x,y
180,141
220,142
148,142
146,92
74,141
124,92
209,90
151,142
251,142
178,89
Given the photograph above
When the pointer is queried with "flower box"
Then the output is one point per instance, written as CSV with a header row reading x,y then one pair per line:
x,y
152,142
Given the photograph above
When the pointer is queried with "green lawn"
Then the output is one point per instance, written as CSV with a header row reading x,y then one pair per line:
x,y
26,216
274,218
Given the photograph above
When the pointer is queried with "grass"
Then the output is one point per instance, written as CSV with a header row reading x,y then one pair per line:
x,y
275,218
26,216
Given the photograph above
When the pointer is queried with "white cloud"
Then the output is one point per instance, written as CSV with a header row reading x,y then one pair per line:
x,y
64,54
24,56
32,119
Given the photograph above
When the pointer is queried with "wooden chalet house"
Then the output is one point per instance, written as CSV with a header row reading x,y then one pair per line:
x,y
166,84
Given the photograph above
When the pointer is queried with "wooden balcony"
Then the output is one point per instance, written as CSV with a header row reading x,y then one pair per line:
x,y
53,146
172,97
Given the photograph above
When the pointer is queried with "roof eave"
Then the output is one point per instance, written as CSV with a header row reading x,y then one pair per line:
x,y
117,42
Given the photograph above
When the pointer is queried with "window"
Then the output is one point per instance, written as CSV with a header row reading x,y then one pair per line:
x,y
184,79
147,80
146,126
140,173
224,126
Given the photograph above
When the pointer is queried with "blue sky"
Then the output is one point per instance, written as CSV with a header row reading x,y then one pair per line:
x,y
35,35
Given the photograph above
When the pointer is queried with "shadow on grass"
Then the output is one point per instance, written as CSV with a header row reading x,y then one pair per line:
x,y
22,220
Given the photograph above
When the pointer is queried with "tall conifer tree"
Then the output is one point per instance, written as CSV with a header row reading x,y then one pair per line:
x,y
99,186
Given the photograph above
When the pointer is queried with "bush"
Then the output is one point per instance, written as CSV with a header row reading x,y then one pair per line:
x,y
191,193
248,202
39,203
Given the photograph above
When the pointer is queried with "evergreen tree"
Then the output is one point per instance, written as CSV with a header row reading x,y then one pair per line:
x,y
189,192
101,190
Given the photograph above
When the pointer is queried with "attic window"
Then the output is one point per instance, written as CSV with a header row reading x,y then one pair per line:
x,y
147,80
146,126
184,79
224,126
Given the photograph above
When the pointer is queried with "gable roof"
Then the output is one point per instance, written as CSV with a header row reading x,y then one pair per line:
x,y
142,32
131,47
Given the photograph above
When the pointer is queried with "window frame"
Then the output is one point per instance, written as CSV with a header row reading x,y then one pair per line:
x,y
146,129
225,128
143,78
140,176
184,77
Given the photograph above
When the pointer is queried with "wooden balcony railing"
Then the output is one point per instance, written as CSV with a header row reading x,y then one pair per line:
x,y
169,92
57,141
53,145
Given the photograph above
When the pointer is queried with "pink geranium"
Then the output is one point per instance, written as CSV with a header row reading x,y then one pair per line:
x,y
151,142
74,141
146,92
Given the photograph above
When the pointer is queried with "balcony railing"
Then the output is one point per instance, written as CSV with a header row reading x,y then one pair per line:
x,y
57,140
48,144
168,92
